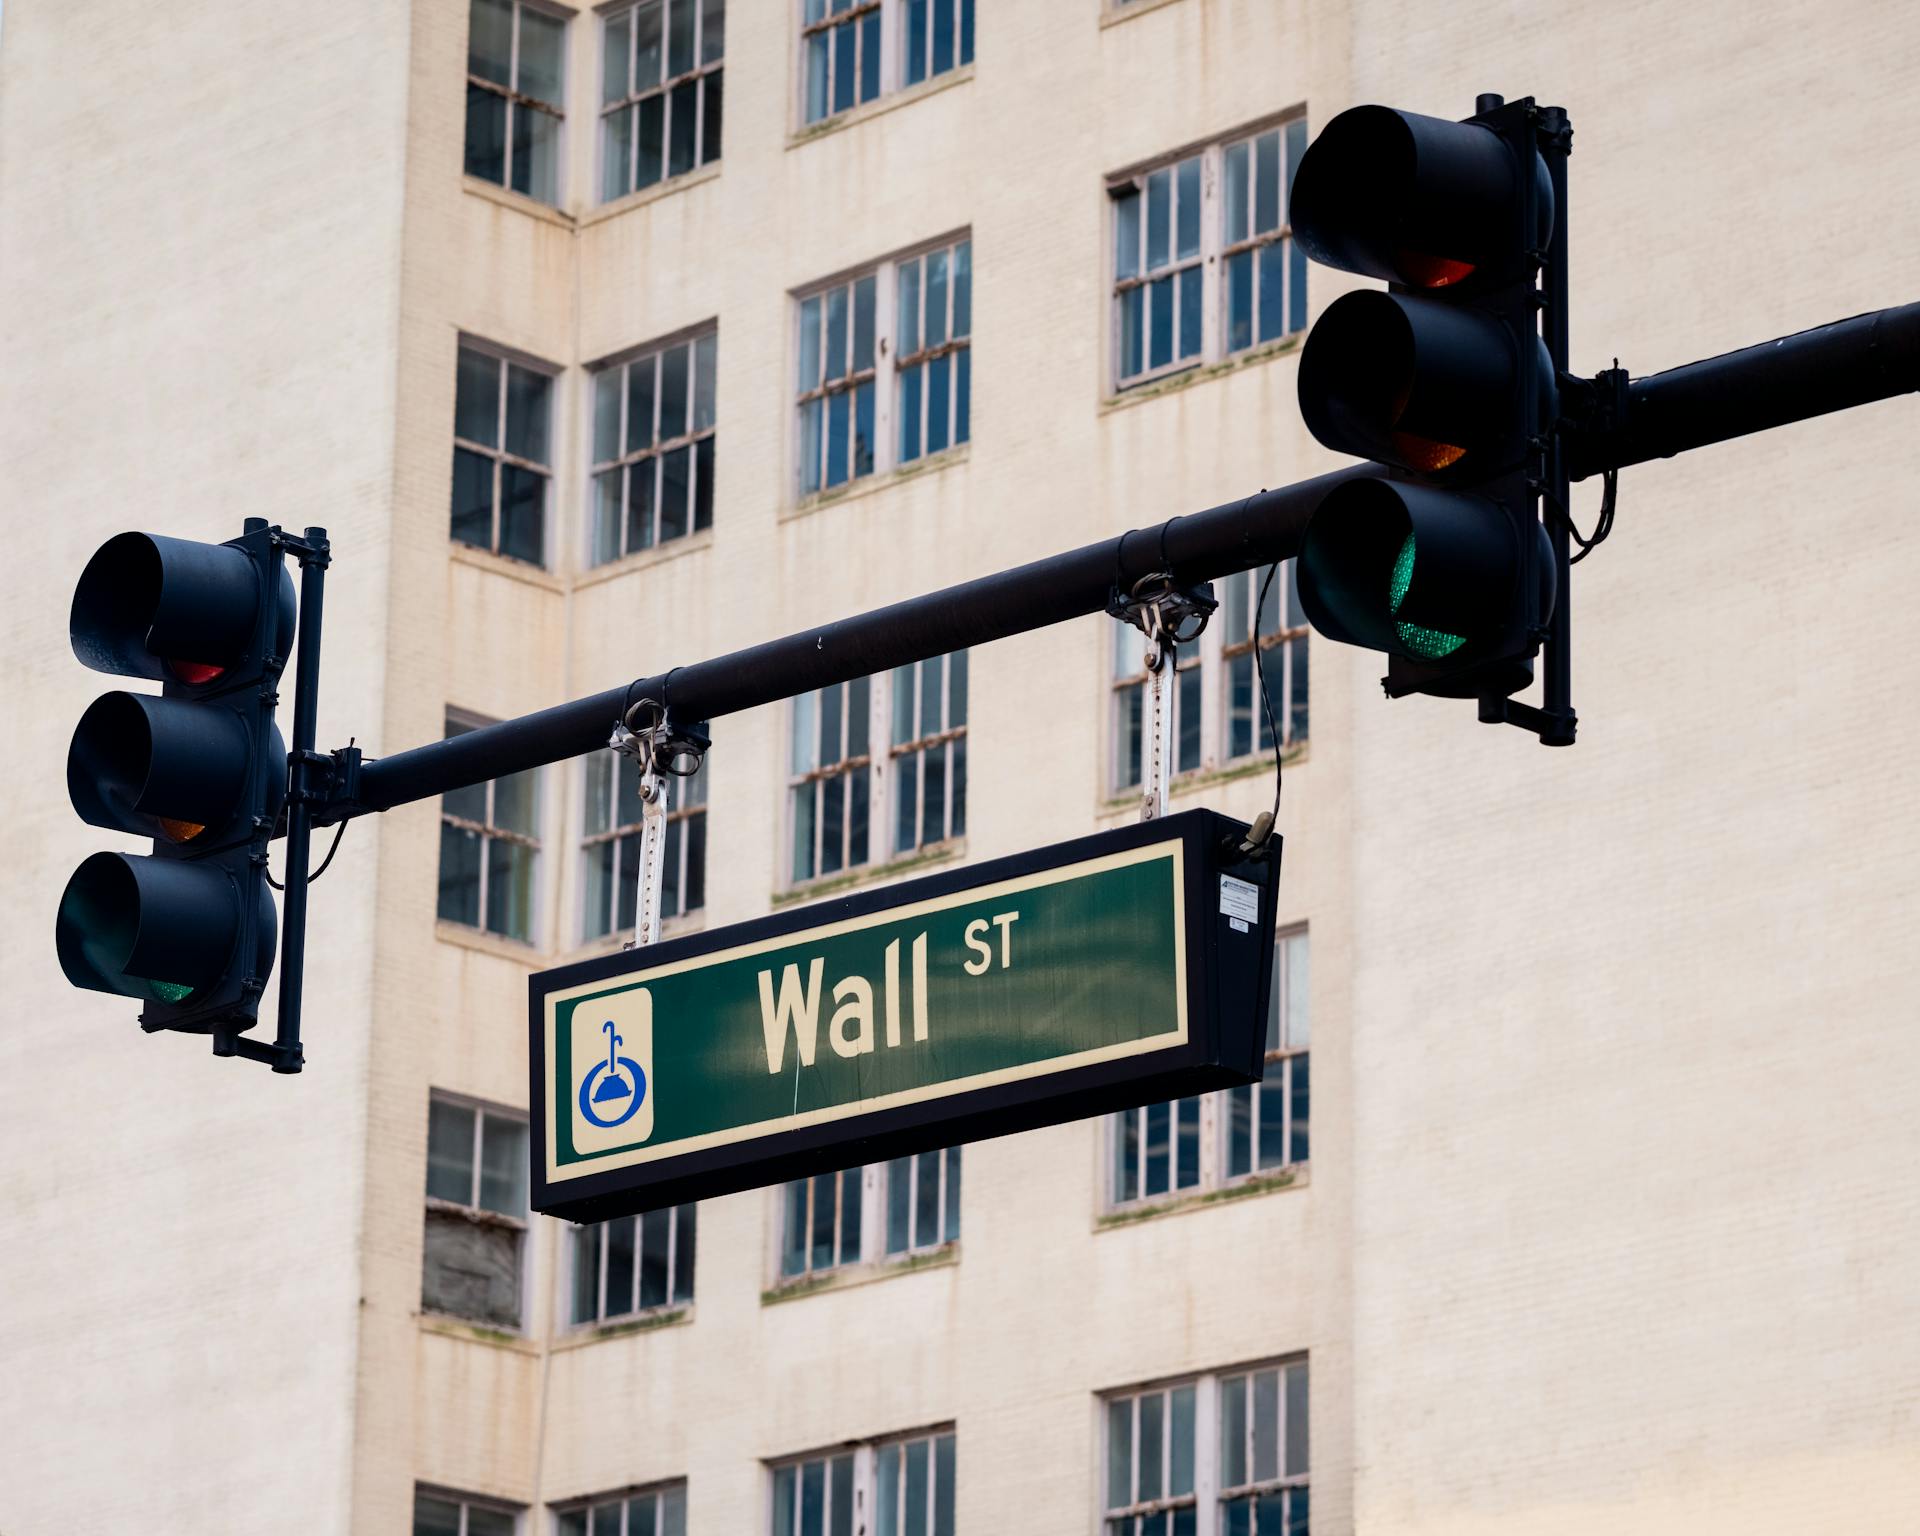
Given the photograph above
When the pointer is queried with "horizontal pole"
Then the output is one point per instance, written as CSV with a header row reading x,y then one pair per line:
x,y
1812,373
1254,531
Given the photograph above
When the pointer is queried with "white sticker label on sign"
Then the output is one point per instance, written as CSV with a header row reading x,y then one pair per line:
x,y
1239,899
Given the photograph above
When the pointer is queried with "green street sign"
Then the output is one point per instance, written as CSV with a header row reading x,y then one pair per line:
x,y
1114,970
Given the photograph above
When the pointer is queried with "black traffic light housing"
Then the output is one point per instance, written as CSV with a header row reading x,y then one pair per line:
x,y
201,770
1446,379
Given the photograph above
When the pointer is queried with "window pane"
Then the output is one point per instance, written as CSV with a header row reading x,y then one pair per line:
x,y
608,516
523,499
476,398
916,41
503,1165
1239,1104
536,150
1187,209
472,516
616,164
1273,321
845,40
840,1500
711,113
649,54
1296,132
1152,1408
1266,1425
869,55
459,875
616,48
651,148
705,360
823,1213
813,1499
713,30
951,1233
683,119
849,1215
450,1152
1159,1126
915,1523
1240,302
1159,217
1234,190
528,399
1296,287
793,1255
542,47
817,45
586,1271
516,801
486,148
703,452
674,500
435,1517
943,38
654,1257
1187,720
673,392
680,37
899,1206
957,788
1238,1519
1160,323
1296,1420
1126,235
1120,1453
926,1211
1187,1152
641,492
640,1511
863,302
1266,182
888,1498
966,31
1298,1032
906,803
838,426
1180,1433
1233,1432
1126,1154
622,1233
685,1239
911,381
1190,312
936,306
1132,332
509,888
939,401
783,1501
1298,1151
490,40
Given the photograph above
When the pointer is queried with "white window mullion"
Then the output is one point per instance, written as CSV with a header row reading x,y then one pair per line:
x,y
886,386
1213,279
1206,1457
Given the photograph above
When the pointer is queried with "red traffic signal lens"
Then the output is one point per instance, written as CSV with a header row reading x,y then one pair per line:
x,y
1419,270
194,672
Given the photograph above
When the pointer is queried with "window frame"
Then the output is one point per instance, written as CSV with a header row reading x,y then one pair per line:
x,y
683,1226
534,840
885,372
870,1251
893,39
880,763
1286,653
1214,1116
700,76
1209,1494
467,1501
478,1214
654,455
516,100
499,455
1212,259
863,1481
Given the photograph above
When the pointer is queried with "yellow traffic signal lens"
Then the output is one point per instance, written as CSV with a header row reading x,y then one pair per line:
x,y
1424,454
1424,271
180,831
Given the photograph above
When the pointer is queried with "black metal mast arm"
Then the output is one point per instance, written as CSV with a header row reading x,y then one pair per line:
x,y
1829,368
1253,531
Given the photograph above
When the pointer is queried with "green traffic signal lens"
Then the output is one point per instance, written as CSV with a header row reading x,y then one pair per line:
x,y
1427,644
98,933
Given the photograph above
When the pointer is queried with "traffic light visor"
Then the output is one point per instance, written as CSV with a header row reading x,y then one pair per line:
x,y
172,609
1425,574
1415,200
147,928
167,768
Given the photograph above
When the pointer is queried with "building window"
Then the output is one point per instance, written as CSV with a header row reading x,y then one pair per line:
x,y
490,850
923,1201
886,366
453,1514
1212,1140
611,847
516,85
853,51
838,795
1163,1478
645,1512
934,355
660,89
908,1483
653,448
929,752
476,1212
633,1265
867,1215
1204,262
1219,718
501,462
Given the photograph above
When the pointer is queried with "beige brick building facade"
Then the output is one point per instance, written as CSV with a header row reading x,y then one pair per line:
x,y
1607,1221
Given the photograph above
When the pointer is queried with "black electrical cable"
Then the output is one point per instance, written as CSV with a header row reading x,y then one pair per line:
x,y
333,848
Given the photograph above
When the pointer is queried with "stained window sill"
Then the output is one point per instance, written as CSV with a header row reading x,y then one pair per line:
x,y
872,874
1246,1187
1114,13
448,1326
855,490
502,565
1201,373
520,951
475,186
869,110
1196,779
678,1315
848,1275
644,559
628,201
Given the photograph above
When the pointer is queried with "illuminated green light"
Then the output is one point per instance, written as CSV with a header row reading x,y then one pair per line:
x,y
1428,644
170,991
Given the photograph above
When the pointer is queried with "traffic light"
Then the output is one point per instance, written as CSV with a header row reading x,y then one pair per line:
x,y
1446,378
189,929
